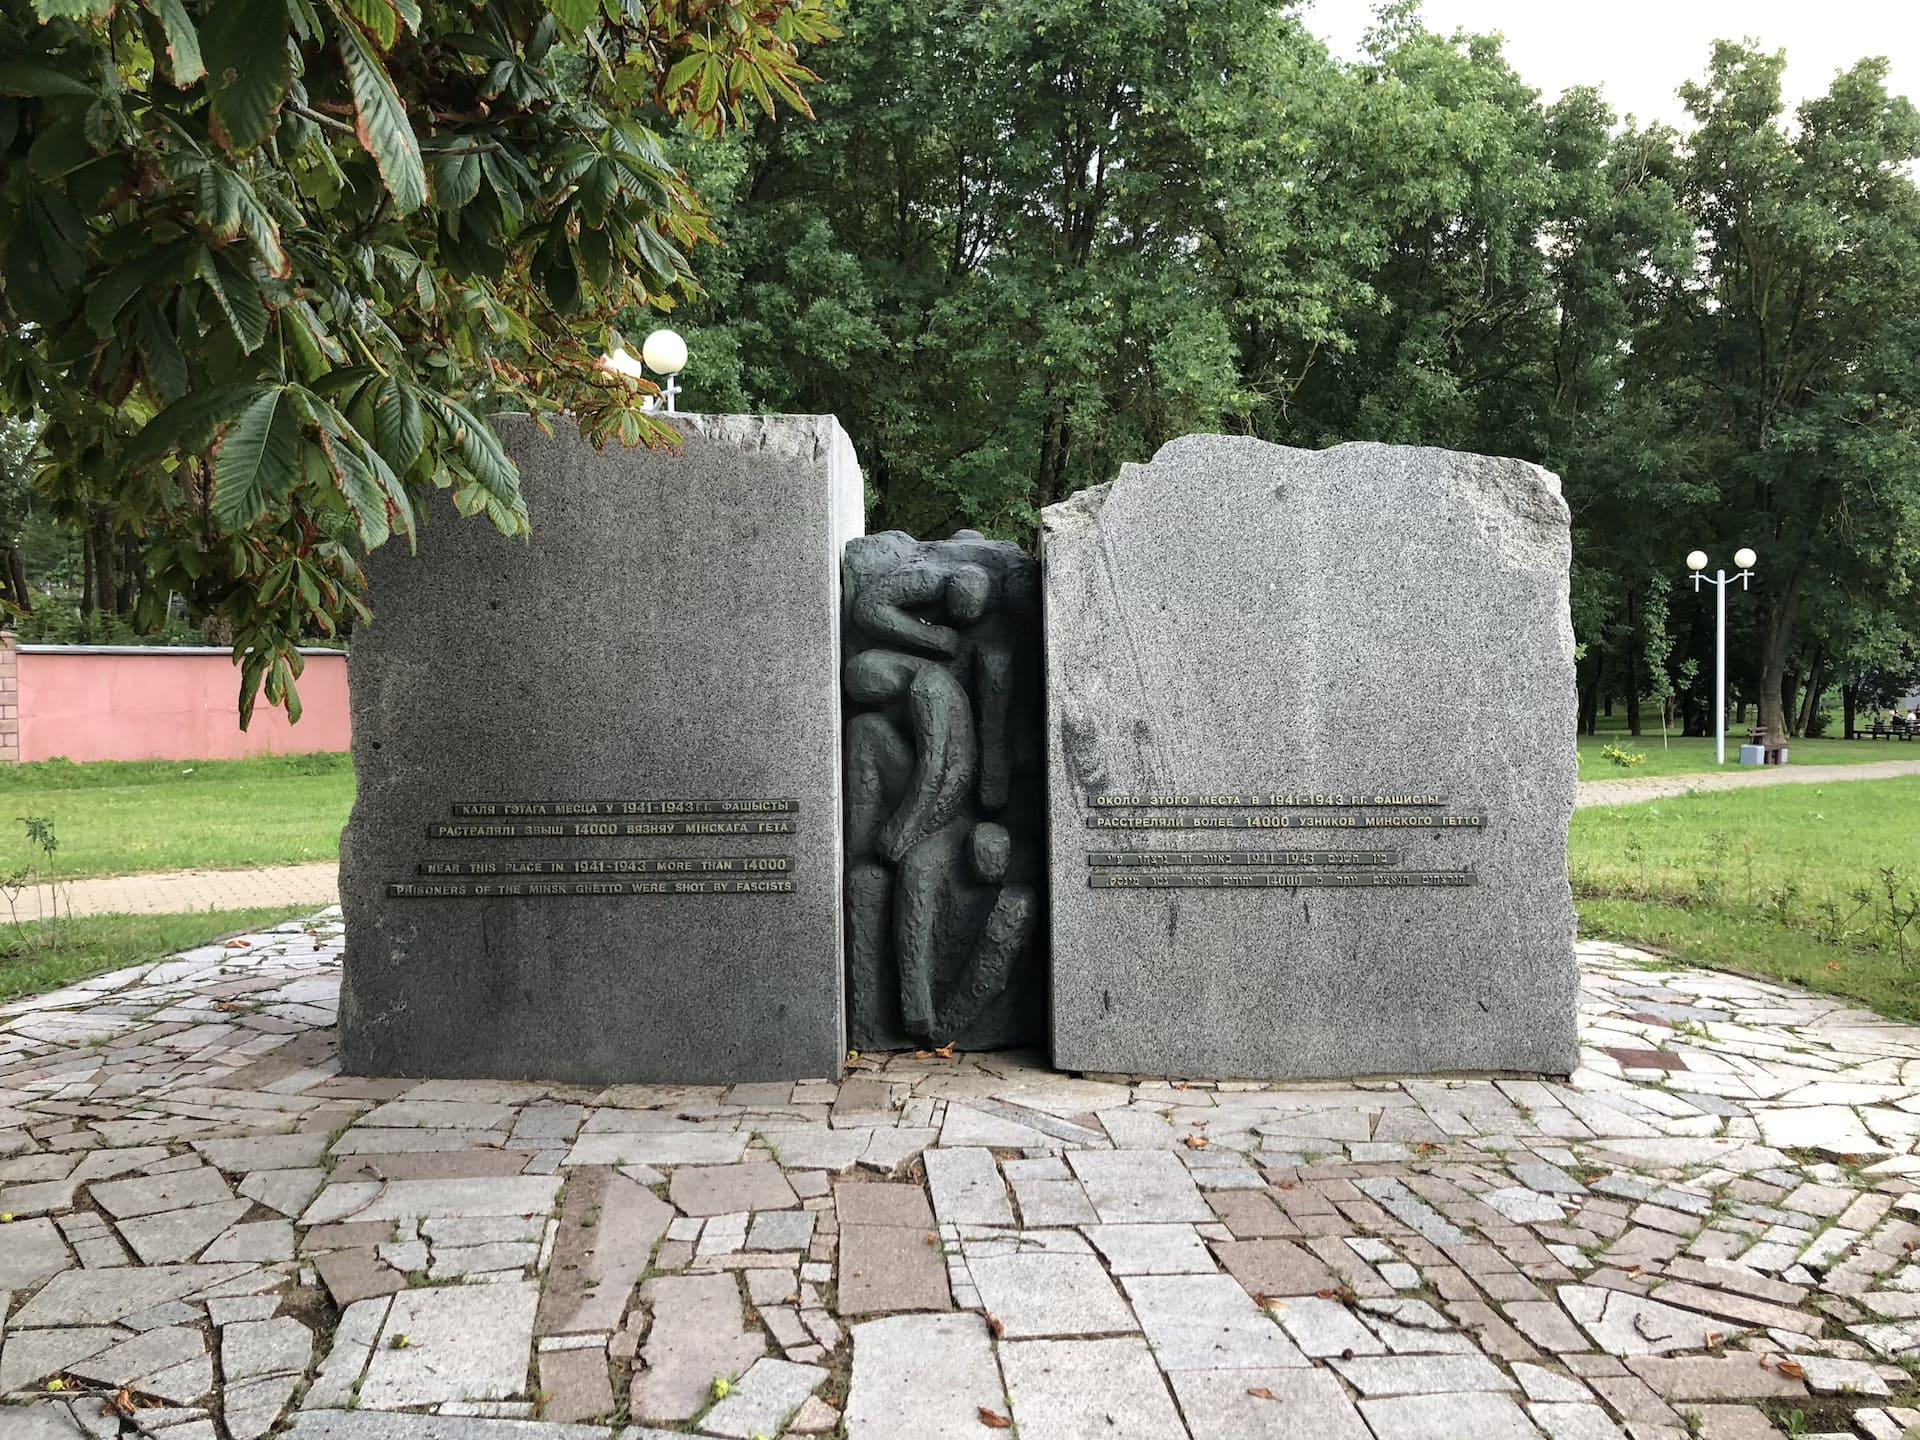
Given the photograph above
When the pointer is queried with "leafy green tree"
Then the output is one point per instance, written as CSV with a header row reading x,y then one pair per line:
x,y
1788,363
268,264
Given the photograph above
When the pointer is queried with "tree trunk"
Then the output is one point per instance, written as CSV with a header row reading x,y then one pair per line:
x,y
17,579
86,572
1810,702
1590,705
1635,640
1849,707
1776,650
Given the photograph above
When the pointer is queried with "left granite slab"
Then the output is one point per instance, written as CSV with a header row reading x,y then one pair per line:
x,y
597,836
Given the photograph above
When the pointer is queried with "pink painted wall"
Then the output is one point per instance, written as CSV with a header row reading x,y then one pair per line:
x,y
126,703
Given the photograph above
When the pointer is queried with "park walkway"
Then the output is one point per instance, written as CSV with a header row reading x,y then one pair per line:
x,y
1660,787
1706,1231
187,891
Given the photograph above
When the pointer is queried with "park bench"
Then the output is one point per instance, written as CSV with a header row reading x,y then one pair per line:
x,y
1888,730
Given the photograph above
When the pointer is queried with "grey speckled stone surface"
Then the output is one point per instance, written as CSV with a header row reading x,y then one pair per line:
x,y
1237,617
670,631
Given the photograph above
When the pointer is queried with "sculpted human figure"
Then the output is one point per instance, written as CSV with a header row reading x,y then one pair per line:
x,y
942,856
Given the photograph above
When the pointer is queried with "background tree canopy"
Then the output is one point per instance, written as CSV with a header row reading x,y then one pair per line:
x,y
267,261
1027,241
1021,242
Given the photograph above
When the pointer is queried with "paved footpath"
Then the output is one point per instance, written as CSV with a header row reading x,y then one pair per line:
x,y
182,891
1661,787
208,1230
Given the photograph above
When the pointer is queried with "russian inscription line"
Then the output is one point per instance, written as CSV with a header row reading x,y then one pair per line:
x,y
556,809
1254,820
615,829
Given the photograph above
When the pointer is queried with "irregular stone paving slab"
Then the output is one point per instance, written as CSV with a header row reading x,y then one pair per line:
x,y
698,1333
882,1204
1421,1374
575,1385
1152,1249
101,1297
728,1189
367,1425
29,1356
766,1396
251,1406
1135,1186
1087,1390
1050,1295
1275,1267
1574,1421
609,1225
264,1347
928,1376
30,1251
353,1341
967,1188
125,1199
1206,1322
1447,1417
891,1268
1266,1405
464,1342
175,1235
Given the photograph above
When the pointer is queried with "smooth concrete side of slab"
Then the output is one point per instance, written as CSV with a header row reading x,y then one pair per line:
x,y
670,631
1368,622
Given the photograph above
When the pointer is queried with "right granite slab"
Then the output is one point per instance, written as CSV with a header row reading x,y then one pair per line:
x,y
1310,723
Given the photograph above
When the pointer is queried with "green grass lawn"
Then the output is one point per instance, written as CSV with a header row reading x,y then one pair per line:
x,y
1692,755
36,958
1787,882
125,818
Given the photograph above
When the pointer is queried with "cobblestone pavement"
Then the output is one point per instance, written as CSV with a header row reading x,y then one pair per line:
x,y
209,1232
1661,787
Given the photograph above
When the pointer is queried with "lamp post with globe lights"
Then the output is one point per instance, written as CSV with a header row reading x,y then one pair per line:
x,y
662,352
1744,558
665,353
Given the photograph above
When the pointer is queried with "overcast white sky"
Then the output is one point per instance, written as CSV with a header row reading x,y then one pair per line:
x,y
1639,51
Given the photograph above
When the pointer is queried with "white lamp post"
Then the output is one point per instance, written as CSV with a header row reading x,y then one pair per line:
x,y
665,353
1697,563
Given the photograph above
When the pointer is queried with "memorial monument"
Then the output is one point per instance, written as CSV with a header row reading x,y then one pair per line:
x,y
945,858
598,828
1310,729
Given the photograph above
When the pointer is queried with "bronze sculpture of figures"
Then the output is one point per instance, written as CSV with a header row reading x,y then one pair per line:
x,y
945,793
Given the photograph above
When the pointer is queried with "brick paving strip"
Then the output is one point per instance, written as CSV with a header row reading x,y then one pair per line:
x,y
1708,1228
187,891
1629,791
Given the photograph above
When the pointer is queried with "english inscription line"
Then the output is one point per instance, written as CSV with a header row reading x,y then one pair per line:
x,y
613,829
1280,800
1352,820
612,865
538,809
537,889
1283,880
1242,857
